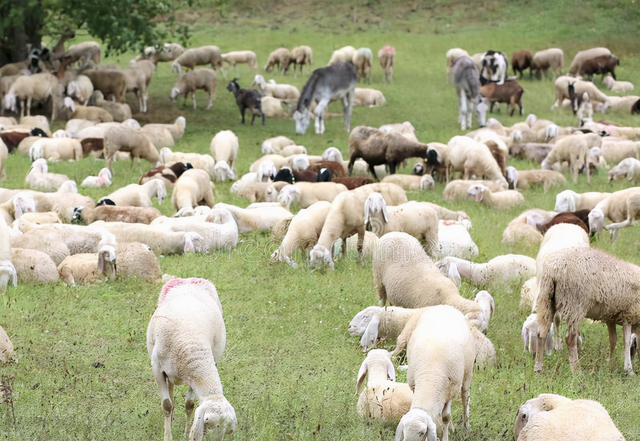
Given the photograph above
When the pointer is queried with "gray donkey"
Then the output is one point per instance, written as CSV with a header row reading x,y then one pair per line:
x,y
467,82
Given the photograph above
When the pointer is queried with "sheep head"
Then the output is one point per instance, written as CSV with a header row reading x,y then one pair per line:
x,y
107,261
477,192
375,356
416,425
175,93
596,220
565,201
374,204
7,272
320,254
512,176
361,320
214,415
23,203
370,335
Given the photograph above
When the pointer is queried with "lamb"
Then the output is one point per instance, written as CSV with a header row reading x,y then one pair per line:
x,y
161,240
275,145
411,182
383,399
582,56
25,262
201,79
583,283
186,337
617,86
362,61
343,55
622,207
629,168
135,195
522,179
368,97
199,161
377,147
440,354
502,200
279,57
91,113
473,158
241,57
124,139
494,274
198,56
386,56
89,268
224,147
405,276
110,213
39,177
256,219
346,217
456,190
193,188
575,150
414,218
56,149
119,111
550,416
303,232
569,200
544,60
521,61
280,91
309,193
454,239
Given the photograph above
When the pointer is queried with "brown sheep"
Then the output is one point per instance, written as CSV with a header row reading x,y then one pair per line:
x,y
352,182
336,169
602,65
520,61
167,173
579,218
510,92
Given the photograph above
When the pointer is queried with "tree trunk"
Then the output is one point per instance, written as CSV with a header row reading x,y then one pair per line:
x,y
20,25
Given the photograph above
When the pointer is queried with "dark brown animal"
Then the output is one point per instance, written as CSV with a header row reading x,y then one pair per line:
x,y
579,218
499,155
521,61
353,182
601,65
13,139
336,169
510,92
169,174
247,99
92,147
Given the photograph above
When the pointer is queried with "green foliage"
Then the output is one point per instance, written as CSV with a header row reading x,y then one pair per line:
x,y
290,365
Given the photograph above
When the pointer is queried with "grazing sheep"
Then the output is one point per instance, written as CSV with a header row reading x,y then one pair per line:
x,y
383,399
472,158
522,179
111,213
112,83
256,219
362,60
80,89
280,91
414,218
201,79
90,113
386,57
494,274
247,99
521,61
617,86
547,59
380,322
224,146
629,168
585,55
614,150
440,354
368,97
300,56
186,337
575,150
343,55
198,56
124,139
279,57
377,148
622,207
38,87
550,416
193,188
166,52
530,336
56,149
303,232
135,195
454,239
241,57
501,200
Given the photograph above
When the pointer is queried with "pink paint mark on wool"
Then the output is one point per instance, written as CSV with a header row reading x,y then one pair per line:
x,y
167,287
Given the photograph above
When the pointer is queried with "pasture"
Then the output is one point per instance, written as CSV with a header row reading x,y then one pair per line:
x,y
290,365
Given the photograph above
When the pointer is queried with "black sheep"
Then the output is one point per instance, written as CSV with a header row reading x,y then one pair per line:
x,y
247,99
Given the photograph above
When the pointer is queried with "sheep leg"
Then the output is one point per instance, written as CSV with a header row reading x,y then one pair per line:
x,y
242,109
193,98
372,170
189,404
628,339
462,112
572,348
347,107
166,394
446,420
466,396
613,338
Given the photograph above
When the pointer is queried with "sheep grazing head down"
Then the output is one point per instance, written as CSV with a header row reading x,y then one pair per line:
x,y
175,93
302,119
213,415
319,255
416,425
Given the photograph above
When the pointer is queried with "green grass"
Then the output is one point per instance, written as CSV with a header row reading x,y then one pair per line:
x,y
290,365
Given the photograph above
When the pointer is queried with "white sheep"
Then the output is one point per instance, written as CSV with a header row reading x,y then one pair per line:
x,y
617,86
550,416
362,61
383,399
522,179
33,266
159,137
414,218
197,56
89,268
111,213
6,347
200,161
91,113
280,91
80,89
166,52
529,336
580,87
279,57
523,230
200,79
343,55
628,168
306,194
440,354
39,177
275,145
125,139
614,150
159,238
569,200
38,87
119,111
224,146
546,59
622,207
378,322
501,200
494,274
85,51
56,149
241,57
186,337
136,195
454,239
368,97
256,219
456,190
300,56
346,217
411,182
191,189
472,158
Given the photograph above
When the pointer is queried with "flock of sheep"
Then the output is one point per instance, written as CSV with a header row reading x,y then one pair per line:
x,y
420,251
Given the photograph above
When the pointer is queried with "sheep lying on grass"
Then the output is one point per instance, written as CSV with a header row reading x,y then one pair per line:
x,y
501,200
89,268
39,177
186,337
135,195
193,188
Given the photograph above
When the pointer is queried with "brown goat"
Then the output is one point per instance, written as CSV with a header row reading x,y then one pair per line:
x,y
336,169
353,182
601,65
521,61
579,218
510,92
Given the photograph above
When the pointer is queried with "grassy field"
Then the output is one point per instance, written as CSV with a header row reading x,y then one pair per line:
x,y
290,366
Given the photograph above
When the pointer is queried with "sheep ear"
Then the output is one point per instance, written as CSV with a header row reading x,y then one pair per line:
x,y
385,214
370,335
197,429
399,431
479,196
362,374
101,262
572,204
454,274
431,430
391,371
